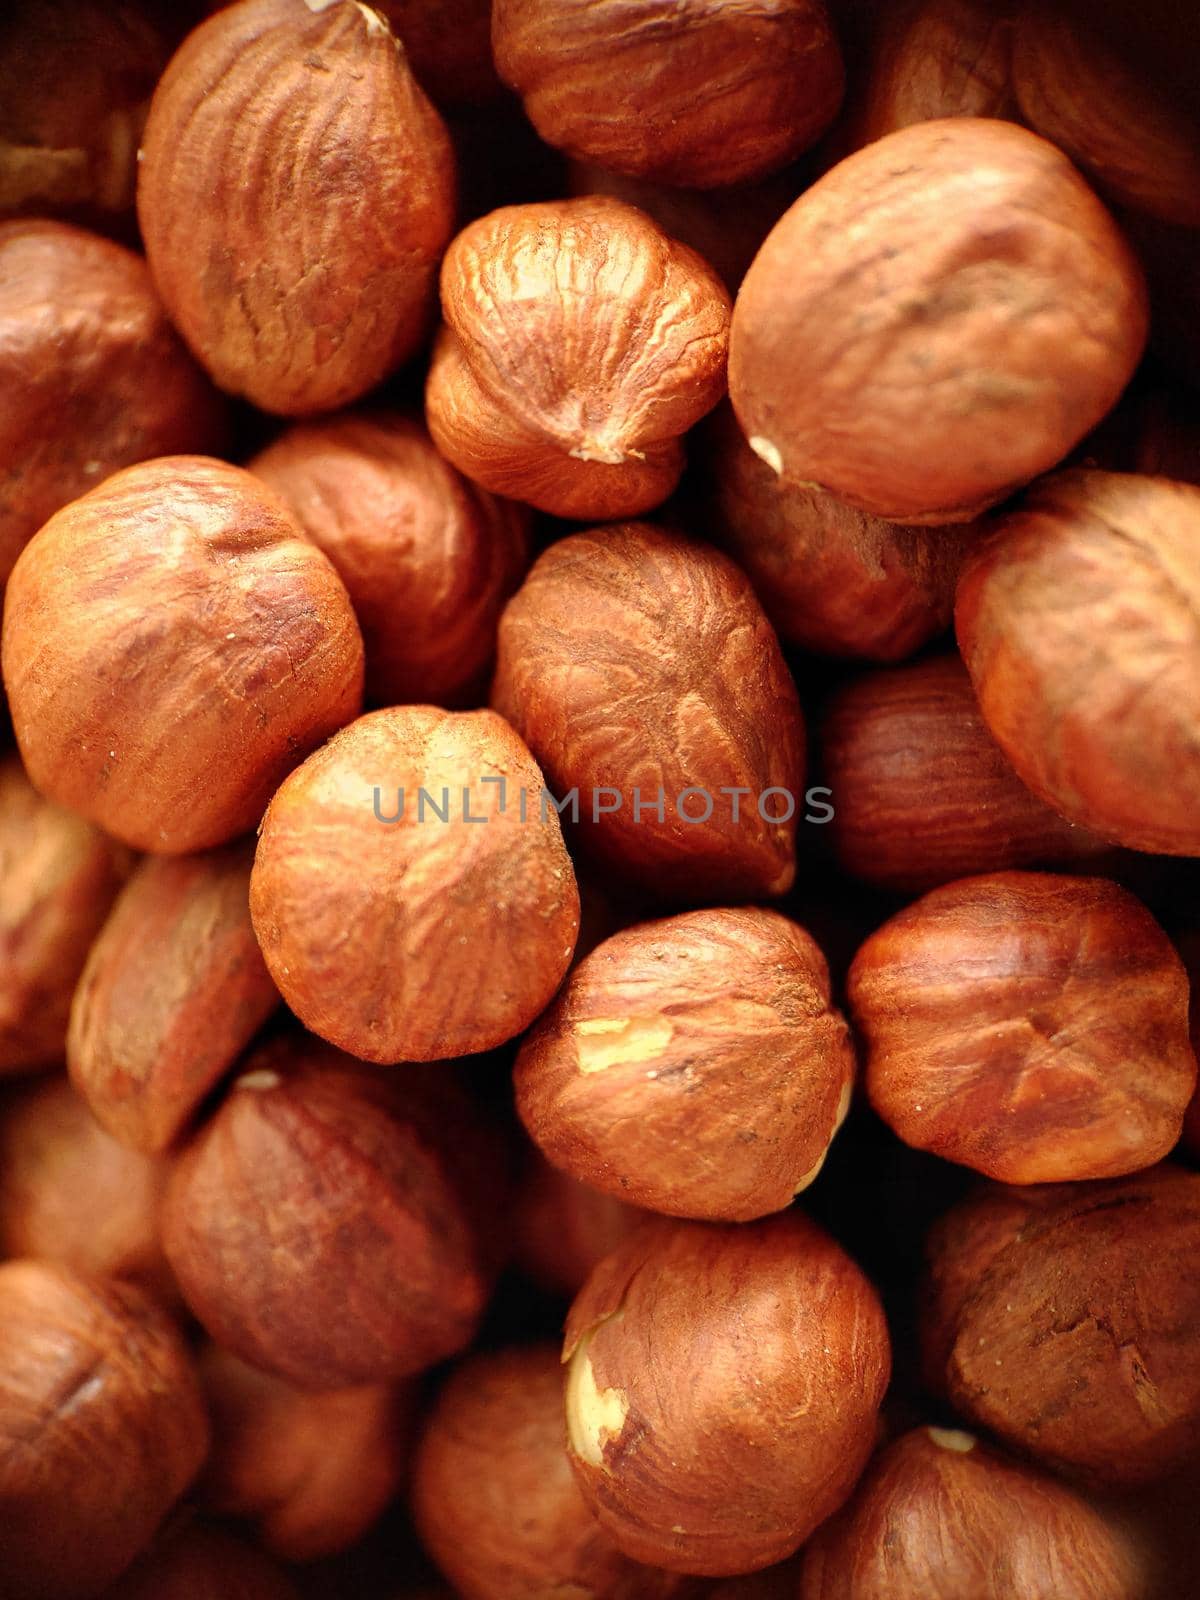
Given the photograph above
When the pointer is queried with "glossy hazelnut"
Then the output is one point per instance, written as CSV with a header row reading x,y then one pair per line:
x,y
561,1228
722,1390
196,1562
575,401
936,321
428,558
293,230
1076,619
640,668
694,1066
172,647
689,94
102,1428
411,892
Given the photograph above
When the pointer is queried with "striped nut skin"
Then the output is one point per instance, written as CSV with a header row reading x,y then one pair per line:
x,y
295,194
580,344
412,896
633,658
1079,621
694,1066
1029,1025
172,647
940,1516
936,321
723,1385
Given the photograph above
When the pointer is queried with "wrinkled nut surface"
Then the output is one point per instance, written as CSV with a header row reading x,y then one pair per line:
x,y
411,893
195,1562
102,1428
682,91
172,647
694,1066
428,557
1077,619
562,1229
955,285
636,661
174,989
723,1384
581,344
295,193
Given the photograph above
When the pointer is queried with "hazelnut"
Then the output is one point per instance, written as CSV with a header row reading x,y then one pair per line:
x,y
428,558
936,321
494,1497
1067,1321
292,227
689,93
722,1389
693,1065
922,792
102,1428
561,1229
940,1516
581,344
448,44
641,670
194,1562
326,1223
412,893
179,595
174,989
60,877
1077,622
92,375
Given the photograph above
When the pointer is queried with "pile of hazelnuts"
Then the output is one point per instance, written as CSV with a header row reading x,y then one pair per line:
x,y
443,446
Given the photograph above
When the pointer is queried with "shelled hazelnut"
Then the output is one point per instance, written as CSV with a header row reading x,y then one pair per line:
x,y
561,1228
195,1562
172,647
722,1390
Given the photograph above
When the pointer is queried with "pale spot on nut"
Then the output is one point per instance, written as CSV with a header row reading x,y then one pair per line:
x,y
843,1108
321,5
375,23
620,1041
952,1439
766,451
264,1079
594,1415
843,1111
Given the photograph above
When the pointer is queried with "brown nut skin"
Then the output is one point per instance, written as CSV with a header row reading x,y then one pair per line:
x,y
637,658
102,1428
395,927
311,1472
1077,621
60,878
581,344
1067,1321
326,1223
936,321
940,1516
722,1390
694,1066
562,1229
922,792
687,93
179,595
293,231
92,375
195,1562
174,989
494,1498
428,558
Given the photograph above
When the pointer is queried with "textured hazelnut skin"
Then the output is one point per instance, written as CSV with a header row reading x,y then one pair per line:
x,y
60,877
428,558
561,1228
940,1516
293,230
326,1223
936,321
923,794
1029,1025
102,1428
177,598
722,1389
415,939
494,1498
1077,621
694,1066
690,93
174,989
195,1562
580,344
636,658
92,375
